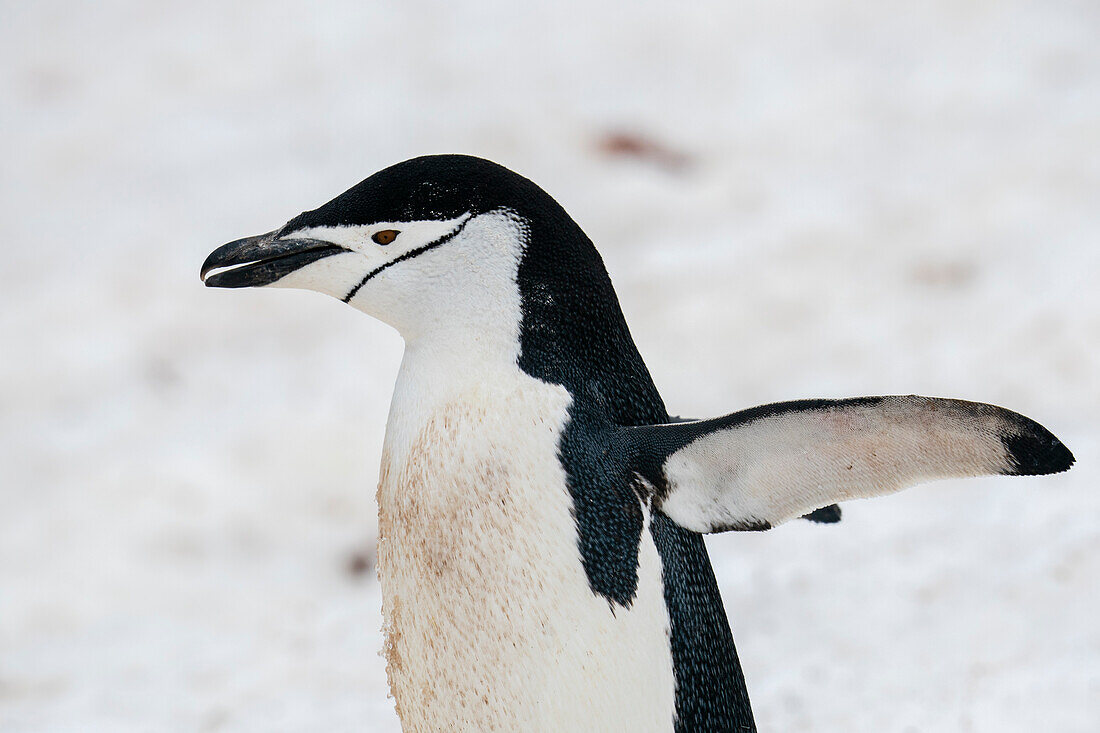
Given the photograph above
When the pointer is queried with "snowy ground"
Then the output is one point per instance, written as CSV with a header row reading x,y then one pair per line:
x,y
847,198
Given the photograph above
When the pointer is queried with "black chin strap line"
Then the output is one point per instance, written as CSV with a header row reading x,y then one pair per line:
x,y
408,256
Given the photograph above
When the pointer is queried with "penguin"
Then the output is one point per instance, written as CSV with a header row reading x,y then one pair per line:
x,y
541,515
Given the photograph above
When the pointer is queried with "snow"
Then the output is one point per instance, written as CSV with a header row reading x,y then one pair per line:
x,y
847,198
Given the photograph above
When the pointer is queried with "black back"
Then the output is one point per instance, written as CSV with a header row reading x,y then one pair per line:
x,y
574,334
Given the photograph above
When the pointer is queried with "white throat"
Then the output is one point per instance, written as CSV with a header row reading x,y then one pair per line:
x,y
462,333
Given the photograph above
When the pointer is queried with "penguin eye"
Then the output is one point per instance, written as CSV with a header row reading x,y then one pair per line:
x,y
385,236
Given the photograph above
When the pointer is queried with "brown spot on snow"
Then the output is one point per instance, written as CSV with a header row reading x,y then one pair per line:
x,y
637,146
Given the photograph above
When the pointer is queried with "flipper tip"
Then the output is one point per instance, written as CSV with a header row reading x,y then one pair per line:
x,y
1034,451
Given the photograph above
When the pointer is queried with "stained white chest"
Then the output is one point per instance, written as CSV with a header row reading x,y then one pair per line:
x,y
490,622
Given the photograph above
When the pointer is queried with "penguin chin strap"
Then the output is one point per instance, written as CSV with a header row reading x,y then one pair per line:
x,y
755,469
407,256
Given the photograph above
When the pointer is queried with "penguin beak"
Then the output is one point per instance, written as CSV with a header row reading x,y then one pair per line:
x,y
255,261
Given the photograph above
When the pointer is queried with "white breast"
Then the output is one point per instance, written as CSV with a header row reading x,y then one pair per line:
x,y
490,621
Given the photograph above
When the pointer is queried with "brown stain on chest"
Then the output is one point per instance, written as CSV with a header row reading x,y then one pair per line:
x,y
458,538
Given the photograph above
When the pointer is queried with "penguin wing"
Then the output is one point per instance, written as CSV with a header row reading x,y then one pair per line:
x,y
757,468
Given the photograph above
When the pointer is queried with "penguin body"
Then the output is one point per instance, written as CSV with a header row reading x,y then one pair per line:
x,y
540,514
485,592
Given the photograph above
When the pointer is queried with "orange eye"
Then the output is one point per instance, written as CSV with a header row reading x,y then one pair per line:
x,y
385,236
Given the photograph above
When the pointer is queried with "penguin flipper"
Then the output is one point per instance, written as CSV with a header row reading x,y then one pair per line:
x,y
758,468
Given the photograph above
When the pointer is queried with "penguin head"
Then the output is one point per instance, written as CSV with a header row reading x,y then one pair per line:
x,y
419,245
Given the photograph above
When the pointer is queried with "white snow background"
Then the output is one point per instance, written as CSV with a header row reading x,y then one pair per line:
x,y
794,200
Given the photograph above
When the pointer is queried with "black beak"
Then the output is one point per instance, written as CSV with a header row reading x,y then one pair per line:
x,y
262,260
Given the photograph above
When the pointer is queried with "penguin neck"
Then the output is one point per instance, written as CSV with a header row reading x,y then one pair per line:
x,y
548,308
573,331
444,364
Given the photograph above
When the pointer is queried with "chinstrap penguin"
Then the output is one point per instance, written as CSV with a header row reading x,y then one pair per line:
x,y
540,513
